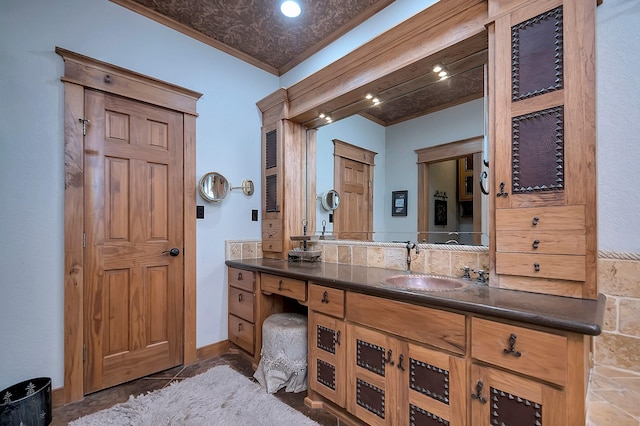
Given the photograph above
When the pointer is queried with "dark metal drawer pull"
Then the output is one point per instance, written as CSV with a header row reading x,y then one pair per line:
x,y
280,285
512,344
536,219
536,267
239,276
502,193
478,394
400,361
240,297
325,297
388,360
336,339
239,327
535,244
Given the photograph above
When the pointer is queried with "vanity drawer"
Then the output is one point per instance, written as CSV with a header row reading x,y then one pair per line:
x,y
562,267
271,224
242,279
289,287
241,303
271,235
541,355
327,300
241,333
560,219
545,242
433,327
274,246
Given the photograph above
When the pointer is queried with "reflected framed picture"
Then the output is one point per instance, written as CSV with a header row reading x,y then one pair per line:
x,y
399,203
440,216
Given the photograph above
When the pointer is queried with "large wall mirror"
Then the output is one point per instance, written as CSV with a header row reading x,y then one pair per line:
x,y
426,136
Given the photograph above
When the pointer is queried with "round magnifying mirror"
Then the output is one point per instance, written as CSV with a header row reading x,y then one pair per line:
x,y
330,200
213,186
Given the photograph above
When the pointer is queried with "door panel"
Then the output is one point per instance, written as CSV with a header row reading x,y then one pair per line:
x,y
133,216
352,217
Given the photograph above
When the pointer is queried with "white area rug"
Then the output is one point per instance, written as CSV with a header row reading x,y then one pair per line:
x,y
220,396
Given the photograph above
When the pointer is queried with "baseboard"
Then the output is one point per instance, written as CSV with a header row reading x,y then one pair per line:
x,y
213,350
57,397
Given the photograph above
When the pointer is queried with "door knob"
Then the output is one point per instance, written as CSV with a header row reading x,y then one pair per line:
x,y
173,252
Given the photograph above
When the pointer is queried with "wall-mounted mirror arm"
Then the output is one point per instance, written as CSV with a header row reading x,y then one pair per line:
x,y
247,187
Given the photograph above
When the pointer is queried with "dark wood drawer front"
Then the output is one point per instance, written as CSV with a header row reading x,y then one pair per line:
x,y
241,303
241,333
289,287
327,300
531,352
242,279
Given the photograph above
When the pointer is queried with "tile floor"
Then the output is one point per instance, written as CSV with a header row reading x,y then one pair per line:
x,y
614,395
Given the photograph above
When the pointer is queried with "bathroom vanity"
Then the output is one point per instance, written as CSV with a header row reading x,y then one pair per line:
x,y
380,354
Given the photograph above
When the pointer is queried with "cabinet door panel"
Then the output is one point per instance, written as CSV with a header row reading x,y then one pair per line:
x,y
498,397
435,384
327,357
372,389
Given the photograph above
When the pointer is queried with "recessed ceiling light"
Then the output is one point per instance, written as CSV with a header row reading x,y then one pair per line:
x,y
290,9
437,68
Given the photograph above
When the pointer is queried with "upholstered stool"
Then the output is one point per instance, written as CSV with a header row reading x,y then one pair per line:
x,y
283,362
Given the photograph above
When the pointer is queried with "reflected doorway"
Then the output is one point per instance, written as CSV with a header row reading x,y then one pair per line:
x,y
446,175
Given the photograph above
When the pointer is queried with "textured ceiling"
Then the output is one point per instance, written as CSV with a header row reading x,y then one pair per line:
x,y
255,31
258,29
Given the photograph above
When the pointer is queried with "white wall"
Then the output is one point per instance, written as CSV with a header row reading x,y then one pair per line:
x,y
32,161
618,123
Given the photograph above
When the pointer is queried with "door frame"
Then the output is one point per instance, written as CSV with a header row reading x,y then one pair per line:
x,y
80,73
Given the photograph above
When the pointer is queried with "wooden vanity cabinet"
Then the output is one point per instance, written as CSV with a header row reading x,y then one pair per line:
x,y
327,335
248,308
242,308
526,377
396,380
542,104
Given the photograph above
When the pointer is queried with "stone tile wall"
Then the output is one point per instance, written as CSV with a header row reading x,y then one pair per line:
x,y
618,279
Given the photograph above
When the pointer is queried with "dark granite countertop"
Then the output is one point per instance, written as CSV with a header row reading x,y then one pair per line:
x,y
562,313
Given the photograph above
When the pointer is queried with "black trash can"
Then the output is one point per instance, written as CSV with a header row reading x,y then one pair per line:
x,y
27,403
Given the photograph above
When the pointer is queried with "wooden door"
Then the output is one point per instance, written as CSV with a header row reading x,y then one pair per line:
x,y
353,216
133,300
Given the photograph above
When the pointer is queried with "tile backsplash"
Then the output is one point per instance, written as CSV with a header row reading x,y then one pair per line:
x,y
618,279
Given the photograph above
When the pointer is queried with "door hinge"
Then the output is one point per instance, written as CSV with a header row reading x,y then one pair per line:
x,y
84,240
84,122
84,352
